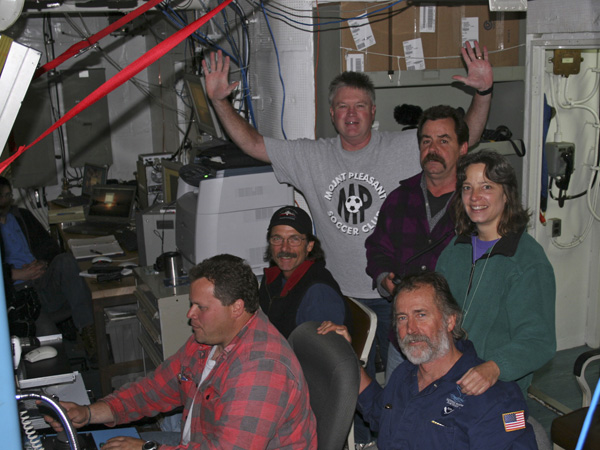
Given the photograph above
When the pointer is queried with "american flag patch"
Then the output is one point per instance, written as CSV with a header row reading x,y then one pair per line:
x,y
514,421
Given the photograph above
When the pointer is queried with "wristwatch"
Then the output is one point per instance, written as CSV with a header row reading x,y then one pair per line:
x,y
150,445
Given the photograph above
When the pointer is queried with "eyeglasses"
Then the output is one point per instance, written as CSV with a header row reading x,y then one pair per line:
x,y
293,241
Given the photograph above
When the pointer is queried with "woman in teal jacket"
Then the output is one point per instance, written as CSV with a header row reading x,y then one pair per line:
x,y
499,275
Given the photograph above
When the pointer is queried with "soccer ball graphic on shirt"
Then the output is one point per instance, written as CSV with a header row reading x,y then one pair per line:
x,y
353,204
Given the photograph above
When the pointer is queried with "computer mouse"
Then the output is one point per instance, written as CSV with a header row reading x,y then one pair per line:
x,y
41,353
127,268
101,259
128,265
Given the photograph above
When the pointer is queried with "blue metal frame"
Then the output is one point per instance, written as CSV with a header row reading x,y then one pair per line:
x,y
10,428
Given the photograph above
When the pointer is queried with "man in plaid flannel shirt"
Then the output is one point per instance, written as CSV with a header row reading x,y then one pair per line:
x,y
240,384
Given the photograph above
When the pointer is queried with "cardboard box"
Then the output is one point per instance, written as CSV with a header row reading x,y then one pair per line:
x,y
392,28
498,31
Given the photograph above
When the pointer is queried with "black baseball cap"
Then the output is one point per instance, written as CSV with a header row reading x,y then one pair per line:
x,y
294,217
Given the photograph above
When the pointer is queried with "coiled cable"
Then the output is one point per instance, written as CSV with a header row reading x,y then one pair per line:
x,y
29,430
62,415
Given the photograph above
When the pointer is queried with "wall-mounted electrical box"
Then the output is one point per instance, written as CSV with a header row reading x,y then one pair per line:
x,y
566,61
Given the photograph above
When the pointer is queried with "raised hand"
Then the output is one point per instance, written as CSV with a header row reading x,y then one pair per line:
x,y
479,70
217,77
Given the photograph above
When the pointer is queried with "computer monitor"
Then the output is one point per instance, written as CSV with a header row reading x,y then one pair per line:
x,y
112,203
92,175
170,179
206,119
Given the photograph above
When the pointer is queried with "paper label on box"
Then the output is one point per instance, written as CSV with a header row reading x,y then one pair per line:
x,y
470,30
355,62
427,19
413,52
362,33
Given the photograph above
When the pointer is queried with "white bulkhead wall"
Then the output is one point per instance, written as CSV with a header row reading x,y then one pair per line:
x,y
575,254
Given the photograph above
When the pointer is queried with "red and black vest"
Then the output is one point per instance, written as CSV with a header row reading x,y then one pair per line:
x,y
280,302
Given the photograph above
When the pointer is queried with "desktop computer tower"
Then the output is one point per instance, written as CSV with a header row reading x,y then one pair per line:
x,y
155,228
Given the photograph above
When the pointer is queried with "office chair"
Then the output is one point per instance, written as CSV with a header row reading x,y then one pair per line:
x,y
565,430
362,332
364,325
332,372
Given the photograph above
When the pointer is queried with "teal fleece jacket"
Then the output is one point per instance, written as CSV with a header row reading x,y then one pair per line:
x,y
508,301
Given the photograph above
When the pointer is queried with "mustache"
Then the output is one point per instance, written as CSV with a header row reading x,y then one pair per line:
x,y
434,157
287,255
411,339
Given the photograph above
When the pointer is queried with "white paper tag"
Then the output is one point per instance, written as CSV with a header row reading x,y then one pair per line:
x,y
362,33
413,51
470,30
355,62
427,19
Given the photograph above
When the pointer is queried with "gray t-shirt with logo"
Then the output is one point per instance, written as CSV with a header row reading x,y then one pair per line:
x,y
345,190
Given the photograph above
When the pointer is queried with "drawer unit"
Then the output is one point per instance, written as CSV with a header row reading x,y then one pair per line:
x,y
161,313
151,349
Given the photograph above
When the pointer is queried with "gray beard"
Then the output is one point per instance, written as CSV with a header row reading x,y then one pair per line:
x,y
431,353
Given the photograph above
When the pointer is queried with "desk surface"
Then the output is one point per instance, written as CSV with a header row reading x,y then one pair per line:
x,y
105,295
106,288
89,440
50,371
101,436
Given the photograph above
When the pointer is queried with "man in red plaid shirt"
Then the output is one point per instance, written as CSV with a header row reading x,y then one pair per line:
x,y
240,384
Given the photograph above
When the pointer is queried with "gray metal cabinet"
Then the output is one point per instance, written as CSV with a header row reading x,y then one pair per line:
x,y
162,313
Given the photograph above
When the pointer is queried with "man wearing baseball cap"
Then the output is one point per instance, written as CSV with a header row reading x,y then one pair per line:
x,y
297,287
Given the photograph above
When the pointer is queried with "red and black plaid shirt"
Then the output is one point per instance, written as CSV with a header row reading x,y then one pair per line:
x,y
254,398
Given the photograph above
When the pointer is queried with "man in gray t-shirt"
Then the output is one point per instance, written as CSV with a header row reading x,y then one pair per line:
x,y
346,179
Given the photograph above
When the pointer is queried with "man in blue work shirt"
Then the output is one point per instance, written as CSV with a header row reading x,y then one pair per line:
x,y
297,287
422,405
33,260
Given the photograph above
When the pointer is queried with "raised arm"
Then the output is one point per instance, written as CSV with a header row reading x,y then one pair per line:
x,y
218,90
481,77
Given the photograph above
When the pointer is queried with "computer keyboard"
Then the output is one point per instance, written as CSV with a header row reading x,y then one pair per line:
x,y
104,268
127,239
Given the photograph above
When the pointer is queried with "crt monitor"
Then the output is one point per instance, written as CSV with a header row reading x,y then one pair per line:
x,y
206,119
